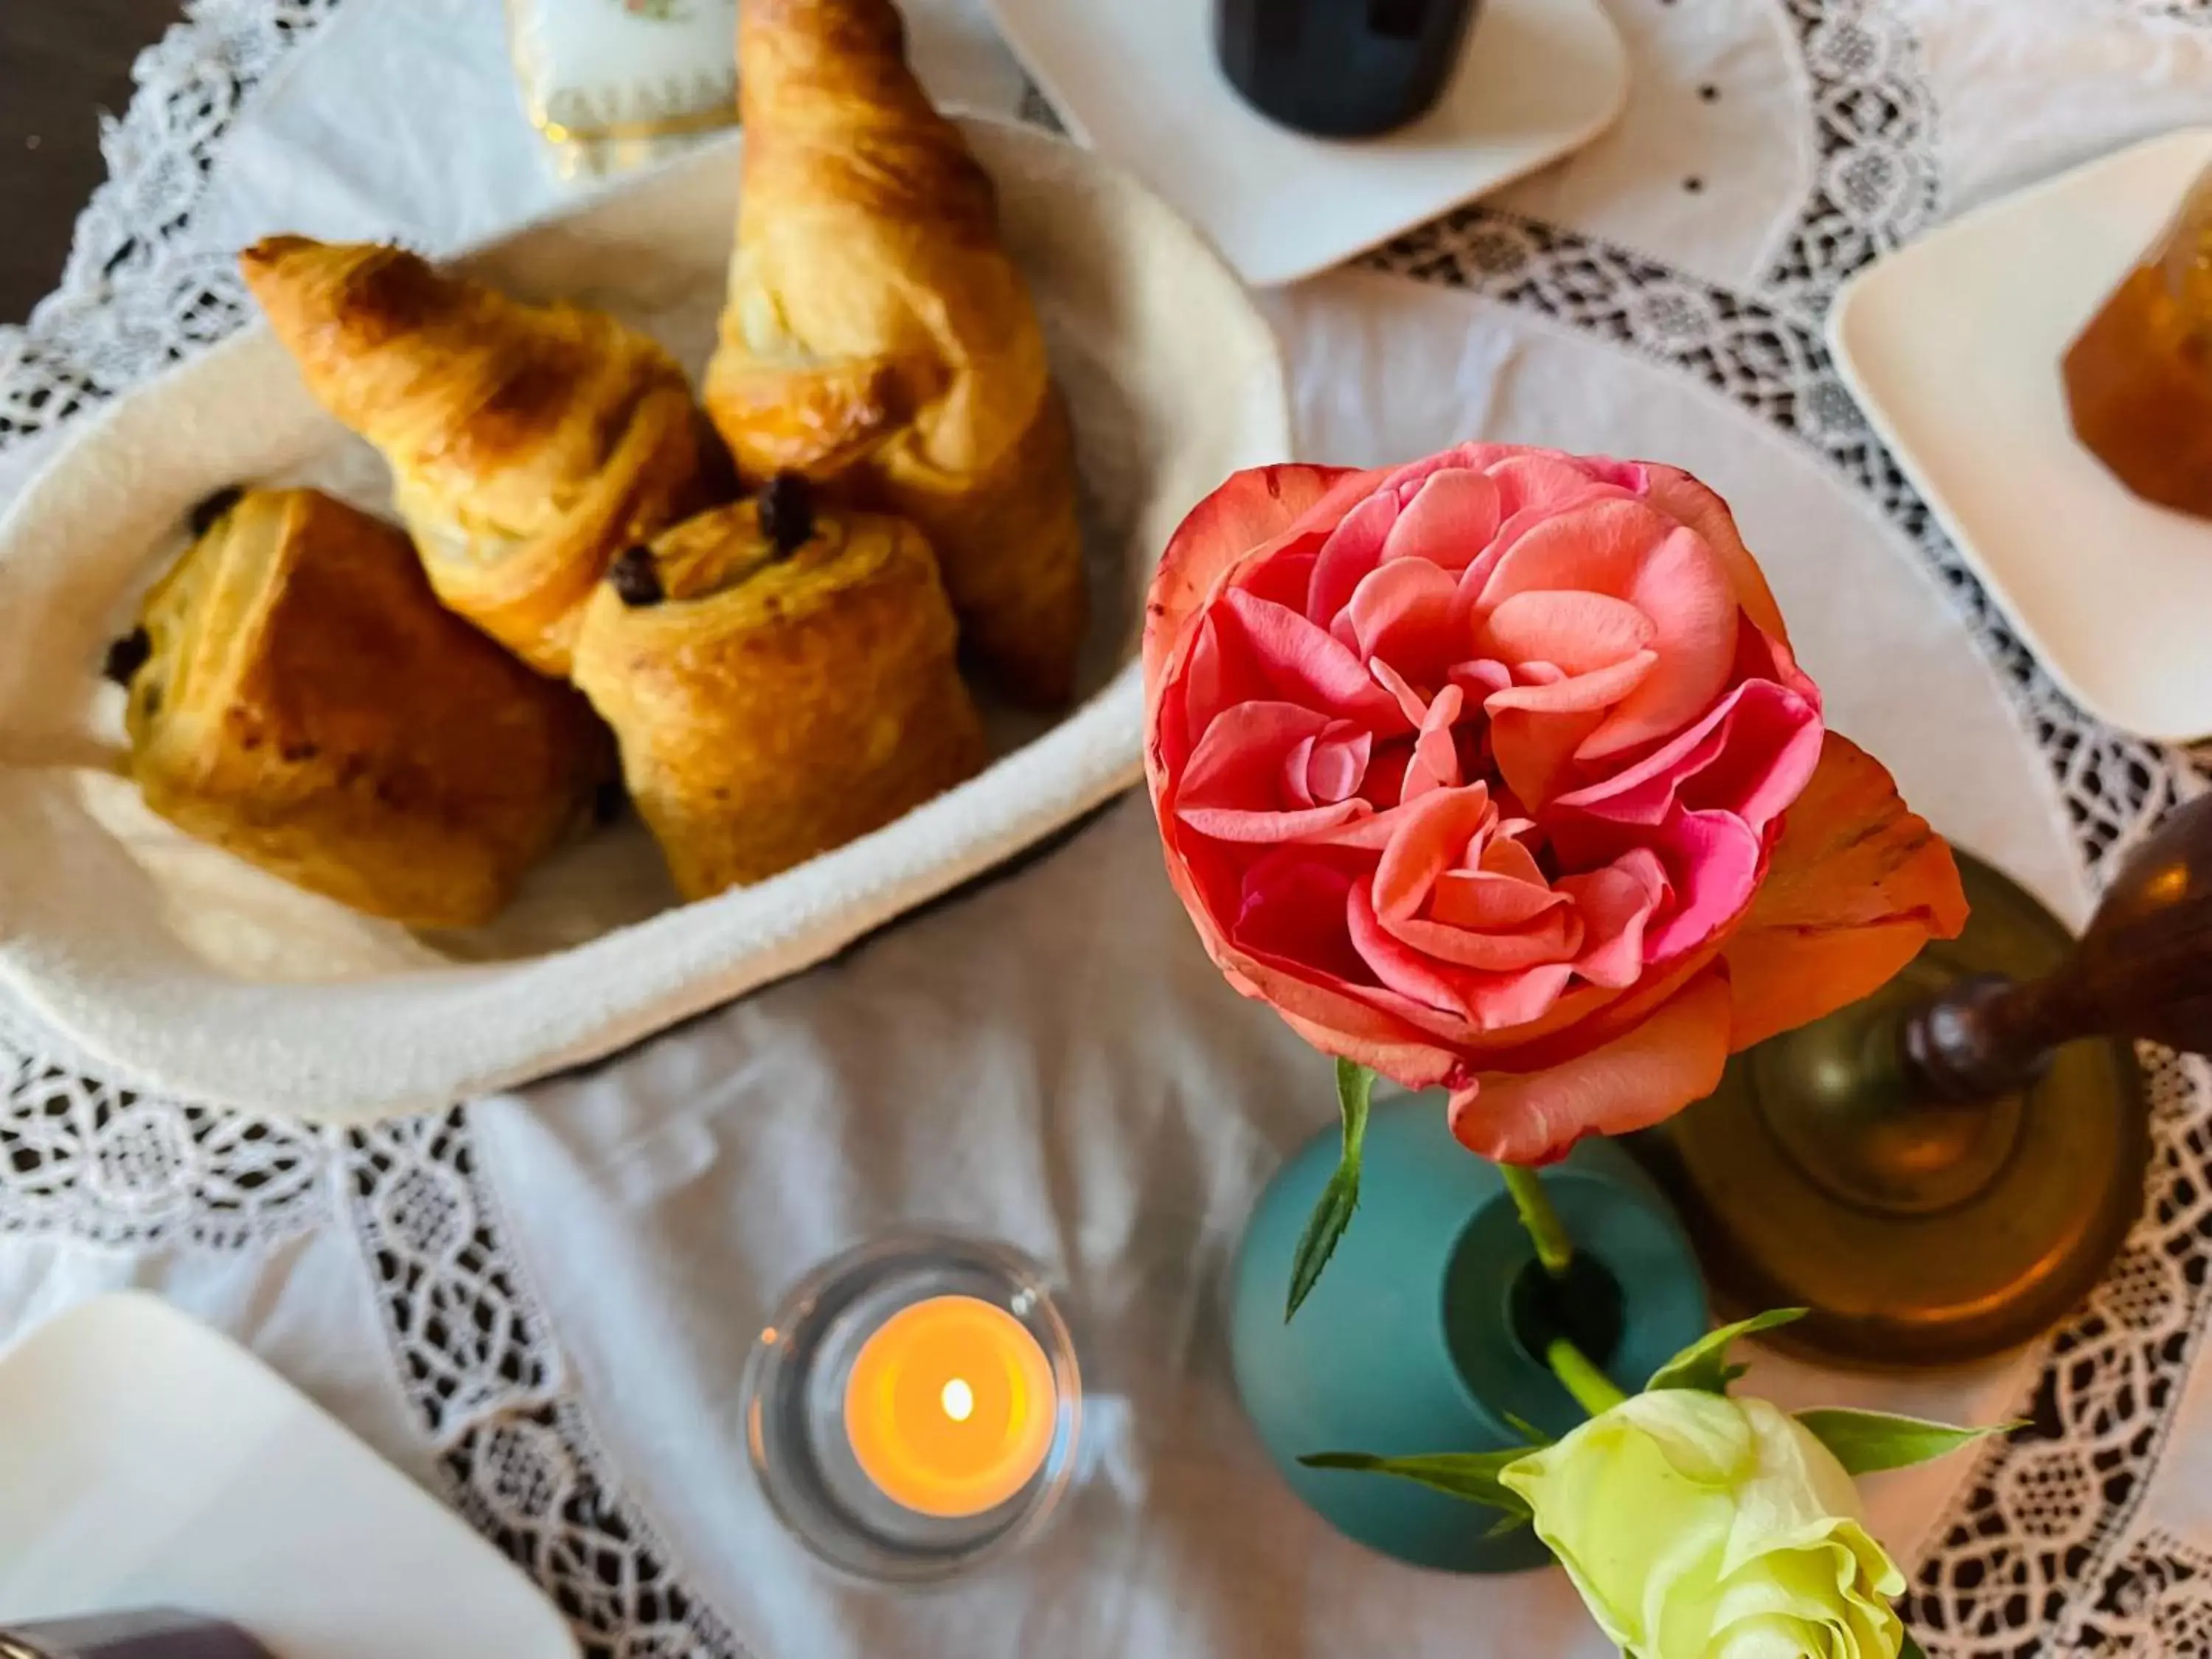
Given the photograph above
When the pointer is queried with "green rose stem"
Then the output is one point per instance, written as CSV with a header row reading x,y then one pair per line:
x,y
1546,1230
1592,1388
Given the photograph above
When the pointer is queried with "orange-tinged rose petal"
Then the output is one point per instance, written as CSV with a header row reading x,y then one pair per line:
x,y
1585,694
1416,1064
1645,1076
1685,589
1579,631
1535,750
1697,505
1251,509
1857,883
1452,517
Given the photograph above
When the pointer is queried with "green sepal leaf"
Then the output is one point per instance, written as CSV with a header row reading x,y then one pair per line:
x,y
1866,1442
1910,1650
1469,1475
1507,1523
1529,1432
1332,1214
1704,1364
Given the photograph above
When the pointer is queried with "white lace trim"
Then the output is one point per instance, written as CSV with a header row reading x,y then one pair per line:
x,y
84,1159
2155,1603
137,295
482,1369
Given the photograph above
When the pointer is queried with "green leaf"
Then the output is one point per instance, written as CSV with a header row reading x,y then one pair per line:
x,y
1704,1364
1508,1523
1528,1430
1355,1088
1912,1650
1866,1442
1469,1475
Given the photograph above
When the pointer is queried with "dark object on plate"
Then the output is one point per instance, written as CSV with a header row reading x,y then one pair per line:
x,y
153,1633
1341,69
1941,1172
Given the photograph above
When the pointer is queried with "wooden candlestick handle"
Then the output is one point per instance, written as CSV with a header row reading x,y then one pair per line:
x,y
2142,970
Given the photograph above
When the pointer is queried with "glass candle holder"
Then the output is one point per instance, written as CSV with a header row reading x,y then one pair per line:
x,y
913,1408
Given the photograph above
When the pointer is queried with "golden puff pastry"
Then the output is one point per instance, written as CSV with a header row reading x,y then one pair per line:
x,y
780,681
876,336
299,697
528,444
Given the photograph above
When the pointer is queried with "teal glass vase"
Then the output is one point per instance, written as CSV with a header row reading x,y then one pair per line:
x,y
1414,1340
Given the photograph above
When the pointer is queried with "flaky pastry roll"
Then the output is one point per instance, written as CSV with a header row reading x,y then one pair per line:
x,y
878,339
780,680
528,444
298,697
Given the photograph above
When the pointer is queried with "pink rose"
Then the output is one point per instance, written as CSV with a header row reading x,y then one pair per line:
x,y
1478,769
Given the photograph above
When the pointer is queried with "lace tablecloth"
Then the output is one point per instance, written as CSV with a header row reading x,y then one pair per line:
x,y
538,1305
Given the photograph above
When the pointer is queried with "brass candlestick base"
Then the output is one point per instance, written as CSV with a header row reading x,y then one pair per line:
x,y
1866,1168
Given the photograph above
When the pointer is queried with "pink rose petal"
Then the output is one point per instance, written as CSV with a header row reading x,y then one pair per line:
x,y
1302,662
1685,591
1428,837
1553,940
1408,613
1451,518
1592,693
1480,899
1579,630
1640,1079
1405,971
1506,1001
1233,788
1615,903
1353,549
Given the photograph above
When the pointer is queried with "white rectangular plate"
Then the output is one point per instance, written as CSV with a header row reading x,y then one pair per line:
x,y
1953,346
187,970
1140,80
145,1461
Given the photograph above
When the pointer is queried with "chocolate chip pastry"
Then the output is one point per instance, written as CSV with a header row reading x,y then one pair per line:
x,y
780,678
299,697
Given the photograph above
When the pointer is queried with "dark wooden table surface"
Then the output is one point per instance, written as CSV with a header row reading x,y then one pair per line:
x,y
62,62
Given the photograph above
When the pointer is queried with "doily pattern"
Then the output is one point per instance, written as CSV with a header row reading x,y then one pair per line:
x,y
2155,1603
92,1160
483,1371
136,295
2026,1548
1874,181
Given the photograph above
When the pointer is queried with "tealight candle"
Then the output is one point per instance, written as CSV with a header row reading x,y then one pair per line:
x,y
914,1406
949,1408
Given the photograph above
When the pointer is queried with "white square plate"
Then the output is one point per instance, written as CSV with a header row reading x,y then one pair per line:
x,y
146,1461
1140,80
1953,346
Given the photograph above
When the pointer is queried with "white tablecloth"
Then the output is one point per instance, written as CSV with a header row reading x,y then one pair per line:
x,y
539,1305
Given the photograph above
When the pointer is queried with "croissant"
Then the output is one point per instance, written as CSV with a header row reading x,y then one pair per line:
x,y
780,681
876,336
528,444
299,697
